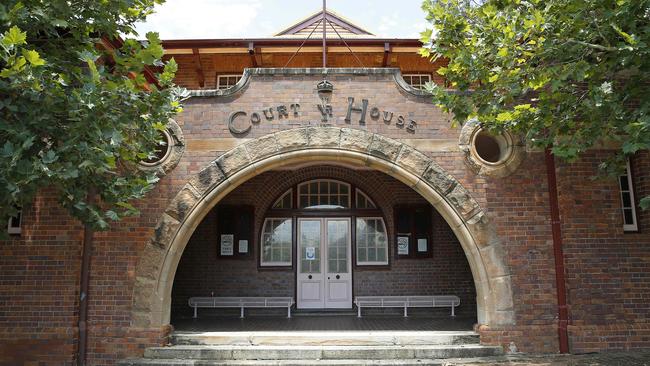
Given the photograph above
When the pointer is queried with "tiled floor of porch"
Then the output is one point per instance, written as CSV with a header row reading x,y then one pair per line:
x,y
324,323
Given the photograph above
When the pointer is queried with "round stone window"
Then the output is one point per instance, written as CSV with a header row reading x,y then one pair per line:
x,y
162,150
168,153
491,148
490,154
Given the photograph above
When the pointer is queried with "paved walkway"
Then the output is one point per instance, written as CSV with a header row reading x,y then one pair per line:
x,y
637,358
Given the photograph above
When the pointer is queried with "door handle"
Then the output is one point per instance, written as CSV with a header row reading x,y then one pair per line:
x,y
309,277
338,277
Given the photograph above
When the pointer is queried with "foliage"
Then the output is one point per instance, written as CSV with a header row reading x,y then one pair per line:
x,y
75,115
566,73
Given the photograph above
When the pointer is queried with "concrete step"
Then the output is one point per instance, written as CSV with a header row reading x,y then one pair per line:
x,y
321,352
151,362
360,338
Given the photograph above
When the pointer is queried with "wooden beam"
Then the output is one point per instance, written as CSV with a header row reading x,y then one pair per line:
x,y
199,68
224,50
290,49
387,50
406,49
179,51
344,49
258,57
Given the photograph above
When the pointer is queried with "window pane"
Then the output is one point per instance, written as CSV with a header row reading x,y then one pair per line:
x,y
284,201
628,216
627,200
324,194
276,241
623,181
310,246
372,245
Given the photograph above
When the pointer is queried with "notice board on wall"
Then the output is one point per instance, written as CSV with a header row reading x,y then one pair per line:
x,y
235,231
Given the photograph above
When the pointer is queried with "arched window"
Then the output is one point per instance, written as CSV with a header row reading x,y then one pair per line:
x,y
323,194
285,201
323,197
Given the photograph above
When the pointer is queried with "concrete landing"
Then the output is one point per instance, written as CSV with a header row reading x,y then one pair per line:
x,y
358,338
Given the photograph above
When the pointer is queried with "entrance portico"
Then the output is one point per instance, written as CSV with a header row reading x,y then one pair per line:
x,y
333,144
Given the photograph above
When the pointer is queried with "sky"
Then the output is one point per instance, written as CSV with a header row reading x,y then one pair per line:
x,y
205,19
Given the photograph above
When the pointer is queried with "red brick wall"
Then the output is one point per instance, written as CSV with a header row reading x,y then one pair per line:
x,y
607,270
202,272
39,284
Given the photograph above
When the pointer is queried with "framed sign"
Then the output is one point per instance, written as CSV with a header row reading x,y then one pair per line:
x,y
310,253
234,231
413,231
243,246
422,245
402,245
227,244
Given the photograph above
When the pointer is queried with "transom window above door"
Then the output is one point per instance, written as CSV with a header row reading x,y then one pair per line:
x,y
323,194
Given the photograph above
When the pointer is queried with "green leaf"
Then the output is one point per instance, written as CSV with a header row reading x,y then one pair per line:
x,y
644,203
33,57
7,150
49,157
14,37
504,117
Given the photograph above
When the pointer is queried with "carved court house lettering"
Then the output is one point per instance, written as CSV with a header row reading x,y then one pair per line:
x,y
355,112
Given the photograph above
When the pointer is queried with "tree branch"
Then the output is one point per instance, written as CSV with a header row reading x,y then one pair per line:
x,y
594,46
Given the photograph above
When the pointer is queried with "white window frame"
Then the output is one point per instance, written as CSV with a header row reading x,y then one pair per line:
x,y
276,264
13,229
318,181
356,242
225,76
356,200
290,193
421,85
634,226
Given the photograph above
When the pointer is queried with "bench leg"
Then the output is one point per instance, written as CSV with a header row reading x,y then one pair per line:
x,y
405,312
452,311
358,311
195,315
288,311
241,313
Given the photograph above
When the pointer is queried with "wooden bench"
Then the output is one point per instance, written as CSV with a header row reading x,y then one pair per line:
x,y
242,303
407,302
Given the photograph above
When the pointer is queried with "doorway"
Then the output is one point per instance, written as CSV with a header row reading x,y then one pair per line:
x,y
324,276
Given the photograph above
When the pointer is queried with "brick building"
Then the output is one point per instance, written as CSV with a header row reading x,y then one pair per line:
x,y
280,173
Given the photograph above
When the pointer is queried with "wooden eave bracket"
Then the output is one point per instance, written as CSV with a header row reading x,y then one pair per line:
x,y
387,52
200,77
256,59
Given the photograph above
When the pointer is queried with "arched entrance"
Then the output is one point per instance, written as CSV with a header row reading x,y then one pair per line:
x,y
157,267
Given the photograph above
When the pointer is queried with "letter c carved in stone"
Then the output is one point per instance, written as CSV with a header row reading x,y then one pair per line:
x,y
231,124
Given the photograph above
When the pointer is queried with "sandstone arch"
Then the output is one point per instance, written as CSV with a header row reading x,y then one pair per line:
x,y
157,267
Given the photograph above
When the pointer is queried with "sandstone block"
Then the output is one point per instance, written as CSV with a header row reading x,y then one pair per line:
x,y
233,160
355,140
385,148
262,147
207,178
413,160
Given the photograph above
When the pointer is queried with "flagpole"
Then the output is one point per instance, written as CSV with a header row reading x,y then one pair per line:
x,y
324,35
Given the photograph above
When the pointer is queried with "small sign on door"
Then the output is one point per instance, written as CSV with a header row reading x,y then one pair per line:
x,y
310,253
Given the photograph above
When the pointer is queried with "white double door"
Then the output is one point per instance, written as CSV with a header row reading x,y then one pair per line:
x,y
324,276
